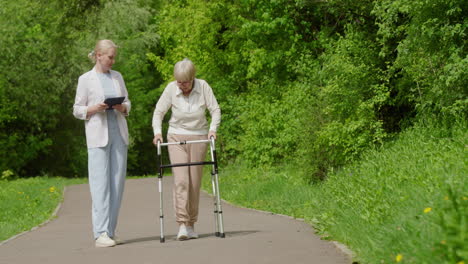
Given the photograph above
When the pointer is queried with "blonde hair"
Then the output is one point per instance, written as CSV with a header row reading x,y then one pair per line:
x,y
184,70
102,46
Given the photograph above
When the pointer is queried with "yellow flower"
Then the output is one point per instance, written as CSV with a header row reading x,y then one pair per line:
x,y
465,198
399,257
427,210
443,242
446,198
461,262
52,189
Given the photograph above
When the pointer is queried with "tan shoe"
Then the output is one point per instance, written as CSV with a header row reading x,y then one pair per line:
x,y
105,241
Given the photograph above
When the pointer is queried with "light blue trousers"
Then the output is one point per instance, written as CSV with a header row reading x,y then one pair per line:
x,y
107,168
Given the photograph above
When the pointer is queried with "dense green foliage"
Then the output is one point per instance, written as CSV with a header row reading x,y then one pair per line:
x,y
318,80
408,198
43,51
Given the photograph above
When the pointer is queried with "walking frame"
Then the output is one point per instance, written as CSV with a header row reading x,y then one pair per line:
x,y
218,212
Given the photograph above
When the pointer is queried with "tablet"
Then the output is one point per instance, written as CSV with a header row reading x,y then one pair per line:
x,y
113,101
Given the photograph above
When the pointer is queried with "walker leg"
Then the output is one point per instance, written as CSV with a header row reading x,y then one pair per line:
x,y
219,209
215,205
217,201
161,213
161,208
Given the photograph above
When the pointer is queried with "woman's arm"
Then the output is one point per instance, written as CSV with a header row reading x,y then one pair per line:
x,y
124,108
213,107
163,105
81,110
80,107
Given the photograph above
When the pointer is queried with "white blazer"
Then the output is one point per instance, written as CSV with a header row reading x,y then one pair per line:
x,y
90,92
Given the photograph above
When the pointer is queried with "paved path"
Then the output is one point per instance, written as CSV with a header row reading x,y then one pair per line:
x,y
251,236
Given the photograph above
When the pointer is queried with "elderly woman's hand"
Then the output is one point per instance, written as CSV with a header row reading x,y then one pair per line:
x,y
156,138
211,134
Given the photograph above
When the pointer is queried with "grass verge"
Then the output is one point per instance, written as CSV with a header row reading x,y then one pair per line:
x,y
26,203
405,202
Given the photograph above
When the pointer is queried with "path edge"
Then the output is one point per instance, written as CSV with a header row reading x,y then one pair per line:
x,y
341,247
51,218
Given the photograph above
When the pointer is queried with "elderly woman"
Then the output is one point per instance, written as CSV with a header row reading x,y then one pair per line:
x,y
188,99
106,139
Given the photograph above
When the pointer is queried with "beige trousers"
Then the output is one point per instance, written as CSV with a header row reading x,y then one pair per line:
x,y
187,180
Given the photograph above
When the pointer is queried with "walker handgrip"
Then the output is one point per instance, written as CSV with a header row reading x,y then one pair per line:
x,y
158,145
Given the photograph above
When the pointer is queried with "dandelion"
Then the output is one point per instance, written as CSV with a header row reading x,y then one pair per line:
x,y
399,257
446,198
465,198
427,210
52,189
461,262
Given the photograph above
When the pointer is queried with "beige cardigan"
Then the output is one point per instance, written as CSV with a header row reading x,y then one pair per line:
x,y
188,113
89,93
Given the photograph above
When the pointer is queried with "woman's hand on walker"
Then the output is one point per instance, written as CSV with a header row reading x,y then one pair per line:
x,y
211,134
156,138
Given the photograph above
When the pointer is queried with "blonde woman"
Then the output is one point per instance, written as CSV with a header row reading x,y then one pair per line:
x,y
106,139
188,98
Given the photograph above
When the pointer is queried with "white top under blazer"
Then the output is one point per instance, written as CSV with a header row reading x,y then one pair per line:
x,y
90,92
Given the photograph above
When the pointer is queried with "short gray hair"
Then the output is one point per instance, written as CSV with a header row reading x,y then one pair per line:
x,y
184,70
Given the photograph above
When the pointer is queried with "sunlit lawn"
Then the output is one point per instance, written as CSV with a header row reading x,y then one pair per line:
x,y
26,203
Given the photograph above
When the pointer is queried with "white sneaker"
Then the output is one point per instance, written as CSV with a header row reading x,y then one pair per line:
x,y
117,240
191,233
182,235
104,241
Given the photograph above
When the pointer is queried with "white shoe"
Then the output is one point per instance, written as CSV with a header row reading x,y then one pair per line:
x,y
191,233
183,234
104,241
117,240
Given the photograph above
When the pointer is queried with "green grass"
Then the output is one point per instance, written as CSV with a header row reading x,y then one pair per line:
x,y
407,199
26,203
